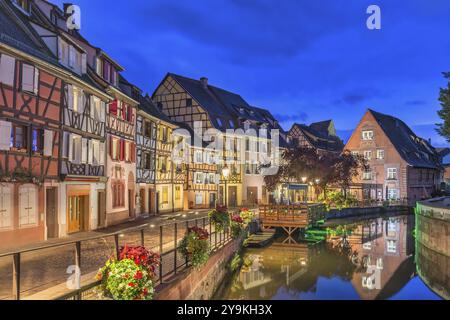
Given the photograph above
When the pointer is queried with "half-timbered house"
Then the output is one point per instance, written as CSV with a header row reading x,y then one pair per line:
x,y
192,102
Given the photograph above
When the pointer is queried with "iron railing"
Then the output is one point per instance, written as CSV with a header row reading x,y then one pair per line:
x,y
163,239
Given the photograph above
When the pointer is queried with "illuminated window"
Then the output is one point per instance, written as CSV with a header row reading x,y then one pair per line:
x,y
380,154
165,195
177,192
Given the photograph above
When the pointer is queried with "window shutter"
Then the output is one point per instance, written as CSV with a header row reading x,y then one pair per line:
x,y
5,206
70,96
102,111
113,107
83,63
48,142
91,152
81,101
36,81
111,147
7,66
101,156
84,150
5,135
122,150
133,152
27,78
70,142
92,106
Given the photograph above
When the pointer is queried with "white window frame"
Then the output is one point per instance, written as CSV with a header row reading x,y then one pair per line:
x,y
368,154
6,207
380,154
29,217
392,174
367,135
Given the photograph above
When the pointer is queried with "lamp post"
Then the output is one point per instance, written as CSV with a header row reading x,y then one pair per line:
x,y
226,173
307,189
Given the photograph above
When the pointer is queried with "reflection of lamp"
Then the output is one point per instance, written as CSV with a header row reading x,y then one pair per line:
x,y
226,173
304,179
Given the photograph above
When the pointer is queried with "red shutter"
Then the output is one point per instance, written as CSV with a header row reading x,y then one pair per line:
x,y
124,110
122,150
113,107
111,147
133,152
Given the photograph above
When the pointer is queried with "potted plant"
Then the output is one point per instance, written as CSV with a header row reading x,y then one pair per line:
x,y
195,246
220,218
131,277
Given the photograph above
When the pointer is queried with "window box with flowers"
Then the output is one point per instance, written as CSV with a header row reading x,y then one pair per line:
x,y
195,246
131,277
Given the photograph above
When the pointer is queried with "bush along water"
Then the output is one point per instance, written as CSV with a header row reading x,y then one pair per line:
x,y
195,246
131,277
220,218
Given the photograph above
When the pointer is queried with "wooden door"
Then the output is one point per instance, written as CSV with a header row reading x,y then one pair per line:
x,y
212,200
6,217
252,195
101,198
142,201
51,216
76,213
131,212
232,196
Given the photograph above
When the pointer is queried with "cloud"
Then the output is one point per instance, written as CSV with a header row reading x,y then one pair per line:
x,y
297,117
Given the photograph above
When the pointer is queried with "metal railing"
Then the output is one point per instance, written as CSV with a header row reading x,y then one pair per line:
x,y
163,239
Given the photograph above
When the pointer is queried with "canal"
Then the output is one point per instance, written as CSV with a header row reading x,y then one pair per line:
x,y
365,259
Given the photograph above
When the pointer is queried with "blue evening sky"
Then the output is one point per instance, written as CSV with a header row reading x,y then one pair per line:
x,y
303,60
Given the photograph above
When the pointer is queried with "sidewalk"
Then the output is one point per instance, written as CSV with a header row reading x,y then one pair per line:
x,y
157,220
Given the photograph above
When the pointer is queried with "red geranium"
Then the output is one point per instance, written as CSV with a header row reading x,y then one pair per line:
x,y
141,256
222,208
237,218
201,233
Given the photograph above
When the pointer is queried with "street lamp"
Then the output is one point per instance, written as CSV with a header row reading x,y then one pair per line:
x,y
226,173
304,179
317,181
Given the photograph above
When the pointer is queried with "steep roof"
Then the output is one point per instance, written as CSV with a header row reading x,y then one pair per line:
x,y
320,139
16,32
225,105
416,151
321,126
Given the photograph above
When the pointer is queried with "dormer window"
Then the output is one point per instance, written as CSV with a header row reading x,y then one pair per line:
x,y
24,5
71,57
107,71
219,122
231,123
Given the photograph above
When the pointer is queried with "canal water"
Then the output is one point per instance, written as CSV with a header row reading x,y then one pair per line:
x,y
365,259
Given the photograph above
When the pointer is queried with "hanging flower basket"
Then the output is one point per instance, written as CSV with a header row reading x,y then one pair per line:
x,y
220,218
195,246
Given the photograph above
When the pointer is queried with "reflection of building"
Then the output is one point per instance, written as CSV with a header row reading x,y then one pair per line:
x,y
402,165
382,247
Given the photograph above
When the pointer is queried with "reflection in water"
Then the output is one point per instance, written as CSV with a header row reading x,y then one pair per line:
x,y
371,259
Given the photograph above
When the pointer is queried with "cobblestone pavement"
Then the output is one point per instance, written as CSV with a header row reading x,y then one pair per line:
x,y
45,268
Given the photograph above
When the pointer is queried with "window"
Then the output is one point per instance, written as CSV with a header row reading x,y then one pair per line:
x,y
162,164
30,79
5,206
392,246
198,198
380,154
118,194
219,122
177,192
27,205
147,162
19,137
198,178
7,65
37,140
368,155
127,151
231,123
355,153
23,4
165,195
380,263
148,129
367,175
367,135
99,66
392,194
97,109
198,156
75,148
115,149
188,102
392,173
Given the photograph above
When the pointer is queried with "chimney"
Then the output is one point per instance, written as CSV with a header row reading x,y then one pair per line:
x,y
204,82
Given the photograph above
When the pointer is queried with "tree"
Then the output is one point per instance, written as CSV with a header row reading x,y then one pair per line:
x,y
329,168
444,97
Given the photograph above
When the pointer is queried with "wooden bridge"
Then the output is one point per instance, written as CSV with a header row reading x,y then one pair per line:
x,y
290,217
